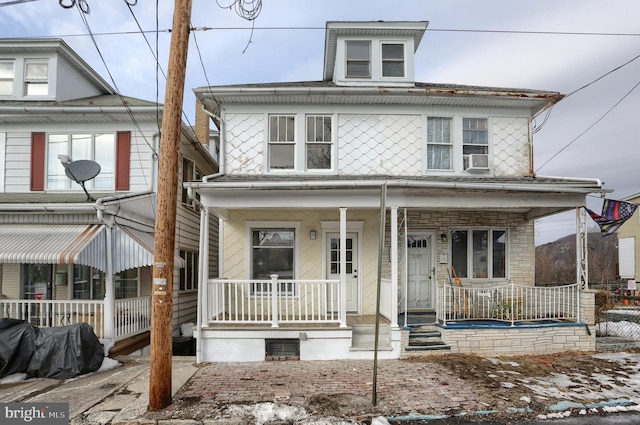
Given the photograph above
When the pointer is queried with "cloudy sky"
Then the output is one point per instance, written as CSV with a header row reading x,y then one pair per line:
x,y
547,44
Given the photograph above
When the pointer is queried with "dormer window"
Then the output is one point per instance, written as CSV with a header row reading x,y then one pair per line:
x,y
392,60
6,78
358,59
36,78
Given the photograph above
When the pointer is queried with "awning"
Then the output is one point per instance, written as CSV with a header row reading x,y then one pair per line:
x,y
76,244
45,243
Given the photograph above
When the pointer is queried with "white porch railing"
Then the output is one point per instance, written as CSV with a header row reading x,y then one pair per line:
x,y
273,301
510,303
132,315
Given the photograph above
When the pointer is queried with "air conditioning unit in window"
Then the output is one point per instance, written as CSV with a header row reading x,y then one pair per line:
x,y
477,162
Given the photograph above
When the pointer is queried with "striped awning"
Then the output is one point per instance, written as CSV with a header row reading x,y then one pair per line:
x,y
45,243
76,244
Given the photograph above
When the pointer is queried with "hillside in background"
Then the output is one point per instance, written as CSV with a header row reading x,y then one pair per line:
x,y
556,261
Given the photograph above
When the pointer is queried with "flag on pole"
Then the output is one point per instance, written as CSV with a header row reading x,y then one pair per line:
x,y
614,214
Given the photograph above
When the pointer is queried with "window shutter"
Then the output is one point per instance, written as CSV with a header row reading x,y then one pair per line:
x,y
37,161
123,143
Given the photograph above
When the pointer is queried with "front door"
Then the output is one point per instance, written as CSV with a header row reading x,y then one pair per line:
x,y
333,265
420,285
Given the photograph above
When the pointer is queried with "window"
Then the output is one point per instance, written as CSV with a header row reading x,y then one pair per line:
x,y
475,138
319,142
272,252
36,78
99,147
479,253
439,143
36,281
282,142
393,60
6,78
189,273
189,173
88,283
358,59
126,283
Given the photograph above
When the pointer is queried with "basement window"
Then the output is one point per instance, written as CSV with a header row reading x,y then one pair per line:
x,y
282,349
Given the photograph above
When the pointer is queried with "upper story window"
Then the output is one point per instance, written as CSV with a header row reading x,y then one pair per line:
x,y
479,253
36,78
6,78
189,173
475,138
282,132
319,142
439,145
299,142
358,59
393,60
99,147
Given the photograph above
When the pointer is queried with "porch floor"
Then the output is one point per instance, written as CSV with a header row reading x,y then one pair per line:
x,y
352,320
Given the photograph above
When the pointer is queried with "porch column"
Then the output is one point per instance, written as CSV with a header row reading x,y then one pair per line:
x,y
109,294
343,267
393,252
203,289
582,264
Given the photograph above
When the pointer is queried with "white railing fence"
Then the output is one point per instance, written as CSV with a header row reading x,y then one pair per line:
x,y
510,303
132,315
273,301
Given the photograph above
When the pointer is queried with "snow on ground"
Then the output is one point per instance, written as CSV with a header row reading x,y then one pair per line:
x,y
107,364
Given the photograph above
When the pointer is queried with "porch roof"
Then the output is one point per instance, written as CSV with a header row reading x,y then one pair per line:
x,y
76,244
534,196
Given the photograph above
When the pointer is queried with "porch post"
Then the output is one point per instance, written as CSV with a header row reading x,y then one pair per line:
x,y
393,252
108,306
343,267
275,294
203,277
582,267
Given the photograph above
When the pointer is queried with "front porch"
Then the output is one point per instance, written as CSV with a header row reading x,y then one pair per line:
x,y
129,316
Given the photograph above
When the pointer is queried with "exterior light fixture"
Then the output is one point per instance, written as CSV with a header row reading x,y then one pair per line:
x,y
443,237
312,235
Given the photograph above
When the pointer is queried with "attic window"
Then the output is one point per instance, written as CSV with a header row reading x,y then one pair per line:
x,y
6,78
36,78
358,59
392,60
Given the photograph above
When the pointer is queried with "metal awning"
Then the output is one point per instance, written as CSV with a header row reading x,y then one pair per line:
x,y
76,244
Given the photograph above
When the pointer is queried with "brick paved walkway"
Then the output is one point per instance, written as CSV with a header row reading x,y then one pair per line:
x,y
403,387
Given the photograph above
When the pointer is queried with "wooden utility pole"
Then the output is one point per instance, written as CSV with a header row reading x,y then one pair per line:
x,y
165,232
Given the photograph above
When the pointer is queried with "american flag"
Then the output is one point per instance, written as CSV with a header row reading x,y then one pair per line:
x,y
614,214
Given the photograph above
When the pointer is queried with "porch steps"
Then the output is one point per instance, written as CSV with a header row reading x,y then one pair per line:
x,y
363,338
425,340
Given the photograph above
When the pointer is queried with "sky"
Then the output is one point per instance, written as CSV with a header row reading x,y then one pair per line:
x,y
547,45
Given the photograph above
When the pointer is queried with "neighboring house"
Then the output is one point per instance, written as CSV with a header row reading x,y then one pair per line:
x,y
309,169
65,258
628,244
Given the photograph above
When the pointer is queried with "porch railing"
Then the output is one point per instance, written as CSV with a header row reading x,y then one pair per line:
x,y
273,301
508,303
132,315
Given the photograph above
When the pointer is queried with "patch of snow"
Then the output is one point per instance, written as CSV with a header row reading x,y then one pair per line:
x,y
525,399
108,364
508,385
12,379
498,361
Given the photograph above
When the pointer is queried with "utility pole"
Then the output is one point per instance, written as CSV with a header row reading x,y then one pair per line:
x,y
165,236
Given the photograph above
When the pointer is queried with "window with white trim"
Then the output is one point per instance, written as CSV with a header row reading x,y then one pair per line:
x,y
6,78
358,59
272,252
282,142
88,283
126,284
98,147
393,60
475,138
189,173
189,273
439,146
479,253
319,142
36,77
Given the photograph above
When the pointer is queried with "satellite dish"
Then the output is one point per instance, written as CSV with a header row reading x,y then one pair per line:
x,y
80,171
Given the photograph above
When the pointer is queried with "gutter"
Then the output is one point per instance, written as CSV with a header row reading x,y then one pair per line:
x,y
5,110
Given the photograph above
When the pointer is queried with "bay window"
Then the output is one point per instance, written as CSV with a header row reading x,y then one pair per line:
x,y
479,253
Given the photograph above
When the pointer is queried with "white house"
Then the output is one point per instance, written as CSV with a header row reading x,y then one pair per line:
x,y
309,171
67,255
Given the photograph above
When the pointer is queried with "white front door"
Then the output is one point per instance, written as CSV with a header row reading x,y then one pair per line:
x,y
420,284
333,266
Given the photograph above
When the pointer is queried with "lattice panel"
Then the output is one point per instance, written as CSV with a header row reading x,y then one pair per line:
x,y
379,144
244,144
510,150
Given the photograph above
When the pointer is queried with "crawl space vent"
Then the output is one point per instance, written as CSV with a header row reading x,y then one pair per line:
x,y
283,348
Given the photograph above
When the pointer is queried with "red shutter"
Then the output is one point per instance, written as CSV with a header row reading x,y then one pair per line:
x,y
123,143
37,161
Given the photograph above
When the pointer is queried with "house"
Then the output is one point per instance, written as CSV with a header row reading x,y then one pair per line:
x,y
628,240
75,252
361,201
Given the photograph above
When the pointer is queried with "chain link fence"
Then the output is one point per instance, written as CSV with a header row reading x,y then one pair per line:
x,y
618,313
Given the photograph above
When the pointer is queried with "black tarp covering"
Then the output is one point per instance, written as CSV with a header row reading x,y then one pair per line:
x,y
59,353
